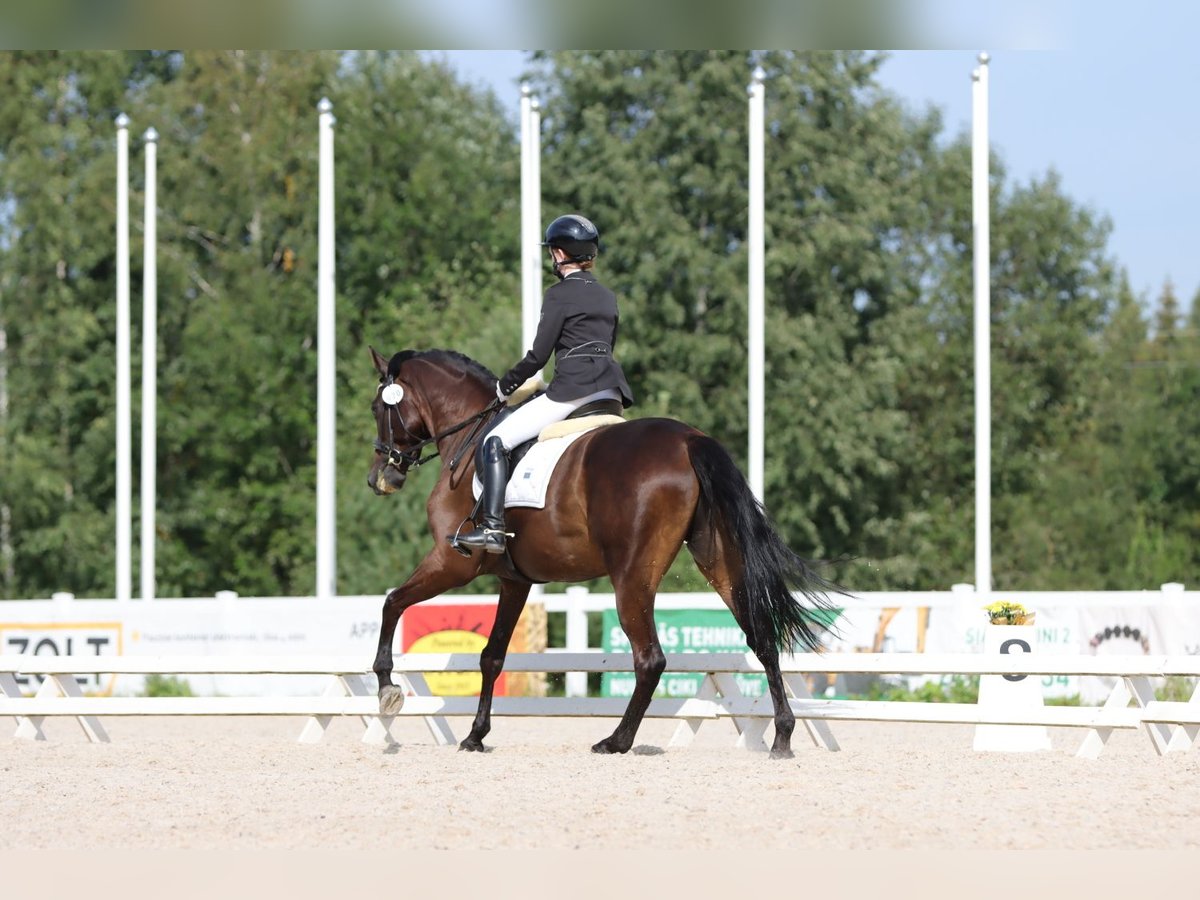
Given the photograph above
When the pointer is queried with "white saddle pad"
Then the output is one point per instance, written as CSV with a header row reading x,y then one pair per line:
x,y
528,481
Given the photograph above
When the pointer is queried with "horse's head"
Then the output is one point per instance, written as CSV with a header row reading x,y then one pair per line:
x,y
399,429
418,393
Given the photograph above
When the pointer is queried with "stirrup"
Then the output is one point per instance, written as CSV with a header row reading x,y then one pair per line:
x,y
480,539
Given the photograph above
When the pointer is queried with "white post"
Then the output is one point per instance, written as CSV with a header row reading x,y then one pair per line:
x,y
531,229
7,567
62,601
531,216
755,243
535,225
983,321
577,638
527,216
326,365
124,529
149,366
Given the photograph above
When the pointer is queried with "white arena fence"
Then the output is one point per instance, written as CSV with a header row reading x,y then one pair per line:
x,y
1170,726
1160,622
302,656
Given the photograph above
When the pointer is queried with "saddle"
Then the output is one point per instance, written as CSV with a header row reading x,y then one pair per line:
x,y
590,415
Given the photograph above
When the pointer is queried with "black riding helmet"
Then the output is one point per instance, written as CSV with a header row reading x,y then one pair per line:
x,y
574,234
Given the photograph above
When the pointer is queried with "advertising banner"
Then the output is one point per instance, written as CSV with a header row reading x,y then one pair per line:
x,y
450,629
680,631
1166,629
63,639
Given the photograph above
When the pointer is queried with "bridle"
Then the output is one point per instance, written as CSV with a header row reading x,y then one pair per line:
x,y
410,456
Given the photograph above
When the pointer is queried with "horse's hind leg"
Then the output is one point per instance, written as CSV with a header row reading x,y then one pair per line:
x,y
491,660
785,719
714,561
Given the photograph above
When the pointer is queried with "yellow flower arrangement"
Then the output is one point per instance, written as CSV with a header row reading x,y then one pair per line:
x,y
1004,613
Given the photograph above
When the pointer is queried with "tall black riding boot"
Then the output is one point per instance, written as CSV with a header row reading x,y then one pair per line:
x,y
493,473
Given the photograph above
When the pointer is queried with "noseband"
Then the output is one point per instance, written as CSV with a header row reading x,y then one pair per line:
x,y
410,457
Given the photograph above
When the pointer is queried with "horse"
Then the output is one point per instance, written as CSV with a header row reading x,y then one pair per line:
x,y
623,500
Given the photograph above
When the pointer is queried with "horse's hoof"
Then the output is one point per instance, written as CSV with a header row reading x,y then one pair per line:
x,y
607,746
391,700
784,753
472,746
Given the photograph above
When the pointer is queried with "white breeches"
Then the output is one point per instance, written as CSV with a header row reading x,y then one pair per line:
x,y
529,420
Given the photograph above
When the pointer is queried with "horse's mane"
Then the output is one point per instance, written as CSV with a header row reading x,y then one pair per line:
x,y
465,362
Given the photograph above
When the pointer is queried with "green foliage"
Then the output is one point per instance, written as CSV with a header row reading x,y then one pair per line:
x,y
1070,700
949,689
166,686
1096,419
1176,687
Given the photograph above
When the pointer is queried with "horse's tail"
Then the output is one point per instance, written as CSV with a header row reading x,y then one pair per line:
x,y
770,571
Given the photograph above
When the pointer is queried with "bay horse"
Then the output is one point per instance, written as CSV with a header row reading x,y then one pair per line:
x,y
623,500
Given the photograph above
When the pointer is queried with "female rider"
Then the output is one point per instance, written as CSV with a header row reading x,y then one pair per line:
x,y
579,326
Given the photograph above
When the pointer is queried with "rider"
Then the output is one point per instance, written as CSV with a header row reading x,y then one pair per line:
x,y
579,326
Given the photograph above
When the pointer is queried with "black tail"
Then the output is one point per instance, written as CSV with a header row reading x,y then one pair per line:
x,y
770,572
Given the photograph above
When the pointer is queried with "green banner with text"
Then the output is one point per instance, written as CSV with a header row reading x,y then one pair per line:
x,y
680,631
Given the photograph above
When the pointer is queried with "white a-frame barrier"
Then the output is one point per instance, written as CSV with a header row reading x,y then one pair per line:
x,y
1170,726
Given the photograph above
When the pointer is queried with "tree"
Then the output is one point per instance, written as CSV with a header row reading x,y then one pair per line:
x,y
1167,314
652,145
56,115
869,285
869,322
427,240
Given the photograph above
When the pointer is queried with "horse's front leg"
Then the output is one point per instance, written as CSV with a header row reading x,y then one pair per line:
x,y
437,573
491,660
635,609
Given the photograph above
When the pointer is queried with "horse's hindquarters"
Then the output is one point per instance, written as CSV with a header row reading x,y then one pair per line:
x,y
623,495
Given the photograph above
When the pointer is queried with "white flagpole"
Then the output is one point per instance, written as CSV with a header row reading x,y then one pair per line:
x,y
527,216
755,243
149,366
531,237
326,364
531,215
535,225
124,528
983,344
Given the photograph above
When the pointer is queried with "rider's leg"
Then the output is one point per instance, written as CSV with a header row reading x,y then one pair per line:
x,y
527,421
521,425
493,474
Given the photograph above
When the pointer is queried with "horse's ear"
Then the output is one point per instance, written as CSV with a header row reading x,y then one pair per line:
x,y
381,364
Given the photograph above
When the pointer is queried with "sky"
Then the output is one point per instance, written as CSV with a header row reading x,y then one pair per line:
x,y
1115,118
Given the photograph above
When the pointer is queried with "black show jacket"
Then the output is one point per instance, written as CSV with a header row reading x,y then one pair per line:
x,y
579,326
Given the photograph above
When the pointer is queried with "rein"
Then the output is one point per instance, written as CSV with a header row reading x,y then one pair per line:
x,y
410,457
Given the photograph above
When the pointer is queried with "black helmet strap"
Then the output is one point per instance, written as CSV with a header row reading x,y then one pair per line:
x,y
556,265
